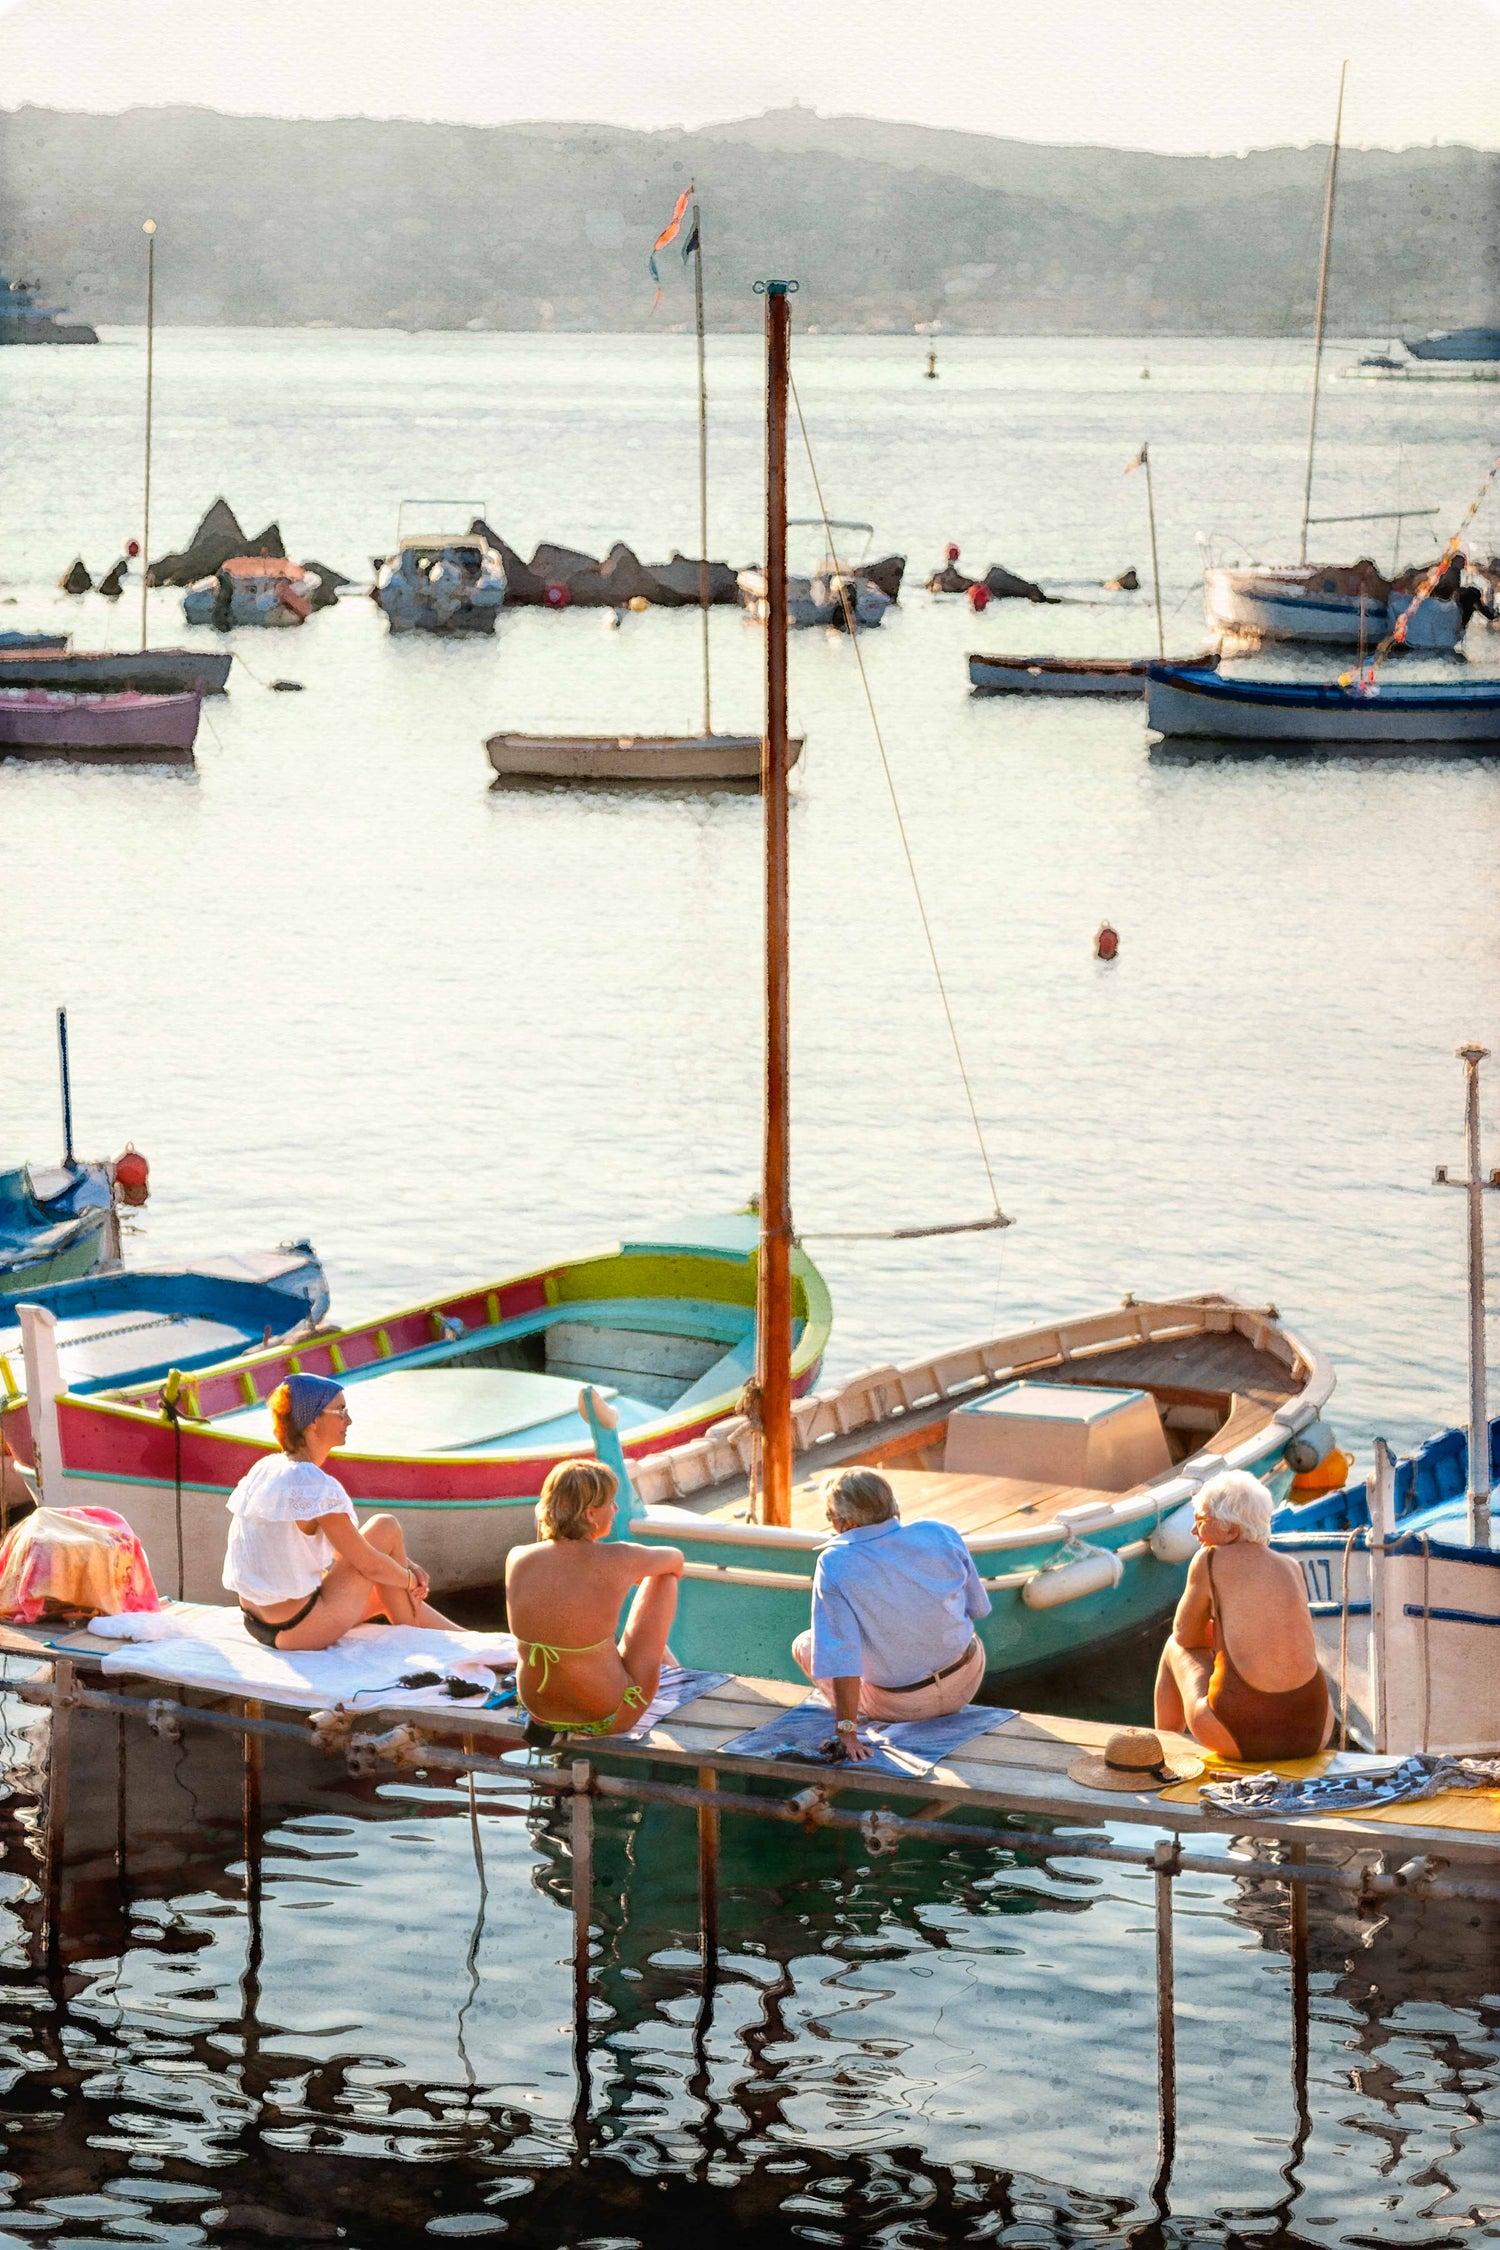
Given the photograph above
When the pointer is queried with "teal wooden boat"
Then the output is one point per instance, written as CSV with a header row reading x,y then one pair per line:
x,y
1067,1456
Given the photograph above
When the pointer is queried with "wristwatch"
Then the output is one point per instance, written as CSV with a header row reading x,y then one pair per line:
x,y
846,1726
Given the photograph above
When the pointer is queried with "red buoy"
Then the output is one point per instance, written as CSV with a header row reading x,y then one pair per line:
x,y
1106,942
132,1176
556,595
979,595
951,552
132,548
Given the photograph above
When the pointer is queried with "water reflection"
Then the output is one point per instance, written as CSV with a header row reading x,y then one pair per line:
x,y
945,2046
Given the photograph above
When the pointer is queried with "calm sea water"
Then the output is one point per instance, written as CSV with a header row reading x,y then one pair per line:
x,y
334,984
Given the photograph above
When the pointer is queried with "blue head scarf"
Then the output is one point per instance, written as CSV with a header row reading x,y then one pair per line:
x,y
307,1396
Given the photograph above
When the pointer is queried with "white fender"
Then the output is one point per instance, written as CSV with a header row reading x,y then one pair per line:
x,y
1310,1448
1174,1540
1095,1571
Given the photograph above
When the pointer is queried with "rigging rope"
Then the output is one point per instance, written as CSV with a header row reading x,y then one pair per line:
x,y
1362,680
847,599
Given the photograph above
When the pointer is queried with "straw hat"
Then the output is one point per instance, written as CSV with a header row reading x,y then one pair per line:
x,y
1134,1759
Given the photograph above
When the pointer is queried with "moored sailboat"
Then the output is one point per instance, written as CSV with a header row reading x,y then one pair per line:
x,y
1067,1456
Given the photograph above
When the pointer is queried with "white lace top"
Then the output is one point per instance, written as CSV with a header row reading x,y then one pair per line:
x,y
269,1559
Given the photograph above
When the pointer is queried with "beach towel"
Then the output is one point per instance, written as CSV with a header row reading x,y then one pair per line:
x,y
364,1670
1268,1796
912,1747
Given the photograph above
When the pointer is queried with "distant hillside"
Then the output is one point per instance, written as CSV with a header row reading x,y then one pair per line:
x,y
386,223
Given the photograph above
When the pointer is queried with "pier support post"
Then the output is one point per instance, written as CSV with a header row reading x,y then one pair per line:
x,y
1168,1852
583,1903
55,1847
708,1879
255,1751
1297,1854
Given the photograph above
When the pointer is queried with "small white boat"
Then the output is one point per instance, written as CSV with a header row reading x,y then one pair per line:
x,y
1064,675
1190,700
1338,607
40,723
441,581
835,589
630,757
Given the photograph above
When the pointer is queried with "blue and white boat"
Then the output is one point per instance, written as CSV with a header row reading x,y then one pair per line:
x,y
53,1224
1456,343
1188,700
1341,607
138,1323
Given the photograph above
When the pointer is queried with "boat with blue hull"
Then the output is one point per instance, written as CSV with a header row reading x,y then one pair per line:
x,y
54,1224
1188,701
1424,1673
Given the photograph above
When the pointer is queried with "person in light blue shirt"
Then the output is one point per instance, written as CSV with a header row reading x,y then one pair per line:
x,y
893,1610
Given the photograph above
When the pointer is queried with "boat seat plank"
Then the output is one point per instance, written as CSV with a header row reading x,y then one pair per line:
x,y
1215,1361
973,1504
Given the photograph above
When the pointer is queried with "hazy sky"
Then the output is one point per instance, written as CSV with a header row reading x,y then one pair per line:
x,y
1171,74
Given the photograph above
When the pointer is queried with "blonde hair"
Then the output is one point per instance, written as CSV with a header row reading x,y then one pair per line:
x,y
571,1491
859,1496
1234,1496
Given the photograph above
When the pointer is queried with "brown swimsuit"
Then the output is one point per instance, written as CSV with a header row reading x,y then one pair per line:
x,y
1288,1723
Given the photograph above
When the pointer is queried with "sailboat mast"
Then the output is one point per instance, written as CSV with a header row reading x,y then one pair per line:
x,y
1328,202
149,230
773,1299
704,594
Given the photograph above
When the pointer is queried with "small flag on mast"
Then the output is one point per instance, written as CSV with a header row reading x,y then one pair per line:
x,y
668,234
1139,462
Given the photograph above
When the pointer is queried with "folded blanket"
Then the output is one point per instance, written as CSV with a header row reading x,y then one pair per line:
x,y
806,1735
1268,1796
365,1668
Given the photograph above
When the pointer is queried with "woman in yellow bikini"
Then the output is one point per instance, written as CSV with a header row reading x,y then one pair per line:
x,y
564,1596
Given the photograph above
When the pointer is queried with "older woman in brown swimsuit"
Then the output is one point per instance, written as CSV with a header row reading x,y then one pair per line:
x,y
1240,1673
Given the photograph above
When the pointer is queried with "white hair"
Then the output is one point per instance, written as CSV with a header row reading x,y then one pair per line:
x,y
1235,1496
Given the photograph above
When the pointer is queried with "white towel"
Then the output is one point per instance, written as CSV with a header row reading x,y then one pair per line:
x,y
213,1651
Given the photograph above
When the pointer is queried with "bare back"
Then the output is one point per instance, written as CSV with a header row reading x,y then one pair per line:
x,y
563,1599
1261,1615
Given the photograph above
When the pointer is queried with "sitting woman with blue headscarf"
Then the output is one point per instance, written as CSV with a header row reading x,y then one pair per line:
x,y
304,1569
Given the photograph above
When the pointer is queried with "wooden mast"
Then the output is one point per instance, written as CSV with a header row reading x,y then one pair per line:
x,y
773,1299
704,590
148,228
1328,202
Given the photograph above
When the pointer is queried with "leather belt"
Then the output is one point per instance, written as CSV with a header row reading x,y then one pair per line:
x,y
932,1678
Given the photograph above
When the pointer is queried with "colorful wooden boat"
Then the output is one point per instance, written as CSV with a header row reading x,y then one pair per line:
x,y
42,723
1070,1567
461,1405
1439,714
1338,607
156,671
53,1223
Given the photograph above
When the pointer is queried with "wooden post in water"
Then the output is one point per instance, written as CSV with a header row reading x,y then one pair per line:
x,y
1166,2022
59,1734
773,1300
149,230
708,1879
704,588
583,1914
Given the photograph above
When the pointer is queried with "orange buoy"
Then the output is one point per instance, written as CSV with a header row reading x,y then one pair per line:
x,y
1106,942
132,1176
979,595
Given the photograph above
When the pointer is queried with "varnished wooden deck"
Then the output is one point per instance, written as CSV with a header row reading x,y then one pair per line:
x,y
1021,1767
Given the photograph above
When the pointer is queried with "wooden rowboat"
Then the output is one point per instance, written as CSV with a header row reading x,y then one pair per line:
x,y
460,1405
1062,675
627,757
38,723
1186,700
1070,1567
157,671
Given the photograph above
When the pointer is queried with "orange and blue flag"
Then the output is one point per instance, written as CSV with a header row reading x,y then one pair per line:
x,y
669,234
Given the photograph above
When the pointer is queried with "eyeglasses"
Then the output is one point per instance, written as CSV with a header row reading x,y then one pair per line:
x,y
341,1411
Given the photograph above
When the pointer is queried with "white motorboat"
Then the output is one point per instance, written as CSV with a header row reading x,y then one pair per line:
x,y
441,581
1189,700
1351,607
837,592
